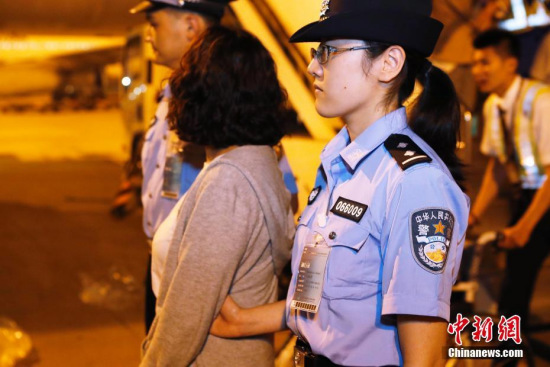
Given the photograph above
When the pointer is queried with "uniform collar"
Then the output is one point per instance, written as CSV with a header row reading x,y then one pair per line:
x,y
352,153
166,91
509,99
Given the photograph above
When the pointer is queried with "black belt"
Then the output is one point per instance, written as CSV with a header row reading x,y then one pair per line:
x,y
304,357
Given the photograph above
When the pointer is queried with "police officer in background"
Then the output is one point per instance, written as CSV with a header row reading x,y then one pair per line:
x,y
516,137
169,165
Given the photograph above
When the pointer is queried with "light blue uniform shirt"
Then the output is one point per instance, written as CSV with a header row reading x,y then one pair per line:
x,y
288,175
153,158
375,269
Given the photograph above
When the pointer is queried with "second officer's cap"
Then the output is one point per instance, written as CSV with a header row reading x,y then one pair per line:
x,y
213,8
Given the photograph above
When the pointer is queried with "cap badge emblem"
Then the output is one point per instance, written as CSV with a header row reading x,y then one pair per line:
x,y
324,8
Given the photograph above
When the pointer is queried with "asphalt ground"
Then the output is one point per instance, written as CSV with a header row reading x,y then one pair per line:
x,y
70,274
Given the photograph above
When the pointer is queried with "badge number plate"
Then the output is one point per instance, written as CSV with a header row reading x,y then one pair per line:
x,y
349,209
309,285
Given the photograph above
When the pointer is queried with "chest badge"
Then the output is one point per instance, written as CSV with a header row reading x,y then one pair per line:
x,y
349,209
431,234
313,195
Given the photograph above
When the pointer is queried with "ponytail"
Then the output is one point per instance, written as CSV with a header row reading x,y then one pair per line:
x,y
435,117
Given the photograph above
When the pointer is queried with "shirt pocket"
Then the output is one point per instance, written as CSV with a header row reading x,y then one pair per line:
x,y
353,268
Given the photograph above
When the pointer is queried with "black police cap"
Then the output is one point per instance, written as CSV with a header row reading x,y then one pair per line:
x,y
402,22
213,8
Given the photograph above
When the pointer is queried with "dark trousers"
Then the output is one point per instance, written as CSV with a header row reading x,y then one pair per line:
x,y
150,299
523,265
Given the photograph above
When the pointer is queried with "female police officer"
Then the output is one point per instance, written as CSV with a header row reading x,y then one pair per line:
x,y
378,247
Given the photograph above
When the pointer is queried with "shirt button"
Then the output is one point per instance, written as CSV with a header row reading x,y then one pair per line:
x,y
149,224
158,165
164,137
322,220
332,235
150,195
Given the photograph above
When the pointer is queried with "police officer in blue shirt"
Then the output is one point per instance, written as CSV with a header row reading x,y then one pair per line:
x,y
378,247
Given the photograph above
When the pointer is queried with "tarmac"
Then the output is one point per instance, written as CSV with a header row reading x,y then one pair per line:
x,y
71,276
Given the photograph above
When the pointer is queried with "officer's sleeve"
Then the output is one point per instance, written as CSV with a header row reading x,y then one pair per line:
x,y
193,161
213,244
288,175
422,244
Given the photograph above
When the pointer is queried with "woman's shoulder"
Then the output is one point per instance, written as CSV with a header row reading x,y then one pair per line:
x,y
224,174
248,156
241,169
256,163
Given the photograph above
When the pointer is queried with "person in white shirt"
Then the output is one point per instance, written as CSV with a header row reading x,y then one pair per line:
x,y
516,137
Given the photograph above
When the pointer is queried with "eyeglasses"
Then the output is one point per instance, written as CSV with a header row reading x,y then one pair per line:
x,y
322,53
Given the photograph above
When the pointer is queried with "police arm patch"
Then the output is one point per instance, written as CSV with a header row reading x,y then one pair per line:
x,y
431,234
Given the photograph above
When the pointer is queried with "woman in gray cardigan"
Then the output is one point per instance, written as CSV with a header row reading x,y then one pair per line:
x,y
234,228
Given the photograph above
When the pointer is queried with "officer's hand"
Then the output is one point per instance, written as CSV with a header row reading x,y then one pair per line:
x,y
225,324
514,237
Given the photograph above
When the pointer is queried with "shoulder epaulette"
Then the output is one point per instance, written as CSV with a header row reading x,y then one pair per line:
x,y
405,151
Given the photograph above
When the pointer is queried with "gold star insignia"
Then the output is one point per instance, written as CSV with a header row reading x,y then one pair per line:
x,y
439,228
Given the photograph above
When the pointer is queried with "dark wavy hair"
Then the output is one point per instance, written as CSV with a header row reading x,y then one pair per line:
x,y
226,92
435,114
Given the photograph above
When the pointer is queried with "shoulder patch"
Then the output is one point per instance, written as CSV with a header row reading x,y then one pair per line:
x,y
405,151
431,235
